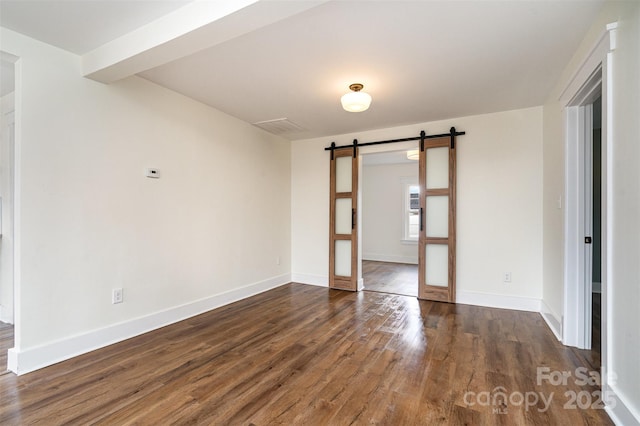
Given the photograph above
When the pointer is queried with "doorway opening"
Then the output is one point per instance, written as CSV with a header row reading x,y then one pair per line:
x,y
7,171
436,215
390,222
585,221
586,287
596,231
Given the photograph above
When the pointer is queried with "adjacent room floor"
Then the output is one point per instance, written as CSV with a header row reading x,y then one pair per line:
x,y
6,343
387,277
310,355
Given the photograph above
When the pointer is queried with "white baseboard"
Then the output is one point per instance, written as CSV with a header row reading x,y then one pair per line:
x,y
311,279
390,258
464,297
498,301
318,280
552,320
621,412
25,361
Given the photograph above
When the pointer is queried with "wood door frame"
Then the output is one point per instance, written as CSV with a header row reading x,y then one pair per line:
x,y
426,291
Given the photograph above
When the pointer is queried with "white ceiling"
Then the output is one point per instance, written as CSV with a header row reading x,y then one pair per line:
x,y
80,26
420,60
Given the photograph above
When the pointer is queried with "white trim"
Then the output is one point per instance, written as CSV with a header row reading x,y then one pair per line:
x,y
26,361
311,279
621,412
553,320
572,227
577,219
407,183
593,75
17,207
319,280
606,344
376,257
516,303
605,43
487,300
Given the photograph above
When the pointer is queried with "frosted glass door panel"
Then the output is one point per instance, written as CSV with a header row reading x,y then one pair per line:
x,y
343,174
343,258
437,167
437,265
343,216
437,215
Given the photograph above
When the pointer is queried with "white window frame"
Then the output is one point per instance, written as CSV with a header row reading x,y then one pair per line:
x,y
407,183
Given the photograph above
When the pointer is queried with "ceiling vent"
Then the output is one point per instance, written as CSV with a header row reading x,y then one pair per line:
x,y
279,126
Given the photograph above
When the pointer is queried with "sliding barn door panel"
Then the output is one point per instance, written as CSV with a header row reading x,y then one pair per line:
x,y
437,243
343,232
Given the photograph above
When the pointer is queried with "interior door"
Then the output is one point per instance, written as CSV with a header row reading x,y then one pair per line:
x,y
589,237
343,233
437,241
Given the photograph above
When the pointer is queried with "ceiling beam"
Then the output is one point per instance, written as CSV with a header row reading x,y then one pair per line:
x,y
197,26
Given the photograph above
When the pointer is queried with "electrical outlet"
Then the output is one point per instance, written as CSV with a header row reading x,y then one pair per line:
x,y
278,260
506,277
116,296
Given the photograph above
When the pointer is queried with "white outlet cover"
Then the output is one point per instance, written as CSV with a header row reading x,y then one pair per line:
x,y
152,173
116,296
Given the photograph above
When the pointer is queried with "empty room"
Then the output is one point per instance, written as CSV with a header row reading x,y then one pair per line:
x,y
319,212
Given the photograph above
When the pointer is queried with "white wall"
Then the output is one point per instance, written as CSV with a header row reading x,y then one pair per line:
x,y
623,290
215,223
382,212
499,204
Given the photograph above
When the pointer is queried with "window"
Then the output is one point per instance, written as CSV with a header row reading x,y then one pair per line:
x,y
411,211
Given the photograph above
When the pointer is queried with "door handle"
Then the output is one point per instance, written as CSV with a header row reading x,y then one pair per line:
x,y
420,218
353,218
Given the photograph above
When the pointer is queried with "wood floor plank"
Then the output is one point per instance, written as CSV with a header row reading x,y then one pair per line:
x,y
308,355
387,277
6,343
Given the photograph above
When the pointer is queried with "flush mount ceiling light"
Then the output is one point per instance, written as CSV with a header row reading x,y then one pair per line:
x,y
356,101
413,154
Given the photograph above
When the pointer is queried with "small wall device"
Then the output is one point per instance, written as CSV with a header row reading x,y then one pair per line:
x,y
152,173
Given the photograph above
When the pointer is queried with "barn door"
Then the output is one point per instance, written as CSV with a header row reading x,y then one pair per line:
x,y
343,234
437,241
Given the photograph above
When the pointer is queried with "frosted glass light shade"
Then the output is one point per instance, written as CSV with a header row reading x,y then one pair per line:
x,y
413,154
356,101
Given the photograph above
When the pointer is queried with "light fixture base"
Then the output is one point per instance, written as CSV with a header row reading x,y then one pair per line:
x,y
356,101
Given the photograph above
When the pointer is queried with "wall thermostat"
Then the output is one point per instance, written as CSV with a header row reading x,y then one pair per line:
x,y
152,173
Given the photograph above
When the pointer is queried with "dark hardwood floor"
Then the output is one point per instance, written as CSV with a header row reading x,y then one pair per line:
x,y
6,343
596,323
306,355
387,277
